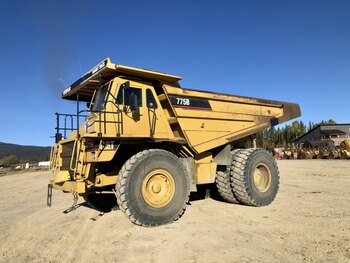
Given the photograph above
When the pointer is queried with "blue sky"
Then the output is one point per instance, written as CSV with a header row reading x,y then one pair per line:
x,y
297,51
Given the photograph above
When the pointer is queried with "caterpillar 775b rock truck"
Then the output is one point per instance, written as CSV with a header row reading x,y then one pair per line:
x,y
145,143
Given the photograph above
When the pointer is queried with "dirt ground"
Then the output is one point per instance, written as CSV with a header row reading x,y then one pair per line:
x,y
309,221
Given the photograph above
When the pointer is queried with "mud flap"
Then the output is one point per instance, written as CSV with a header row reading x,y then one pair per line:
x,y
49,195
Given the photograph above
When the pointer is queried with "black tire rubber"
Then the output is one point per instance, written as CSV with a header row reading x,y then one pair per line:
x,y
242,181
129,184
223,183
101,202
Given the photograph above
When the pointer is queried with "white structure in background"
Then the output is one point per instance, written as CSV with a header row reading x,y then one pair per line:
x,y
27,166
44,164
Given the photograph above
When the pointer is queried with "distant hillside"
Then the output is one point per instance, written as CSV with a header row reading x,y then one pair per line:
x,y
24,152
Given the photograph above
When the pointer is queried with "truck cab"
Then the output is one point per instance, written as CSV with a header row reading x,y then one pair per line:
x,y
130,109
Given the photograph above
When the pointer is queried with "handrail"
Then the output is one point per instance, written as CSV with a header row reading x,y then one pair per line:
x,y
76,158
66,128
52,160
69,120
65,124
118,111
79,114
83,166
152,123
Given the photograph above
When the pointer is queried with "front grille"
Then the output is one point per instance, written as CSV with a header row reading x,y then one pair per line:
x,y
66,155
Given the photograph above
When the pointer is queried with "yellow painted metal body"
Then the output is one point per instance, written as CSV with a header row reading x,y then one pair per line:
x,y
334,154
230,117
189,121
305,154
158,188
262,177
345,154
345,145
205,168
324,153
345,149
315,153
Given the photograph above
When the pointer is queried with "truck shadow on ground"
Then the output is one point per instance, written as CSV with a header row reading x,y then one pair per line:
x,y
203,192
87,205
72,208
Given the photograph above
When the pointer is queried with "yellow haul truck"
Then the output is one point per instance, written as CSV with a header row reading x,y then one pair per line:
x,y
145,143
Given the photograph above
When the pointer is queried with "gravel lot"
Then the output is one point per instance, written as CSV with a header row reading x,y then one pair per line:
x,y
309,221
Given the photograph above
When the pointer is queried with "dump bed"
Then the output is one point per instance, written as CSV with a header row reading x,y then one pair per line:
x,y
209,120
206,120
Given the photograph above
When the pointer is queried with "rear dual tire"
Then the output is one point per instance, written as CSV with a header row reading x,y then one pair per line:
x,y
253,179
223,183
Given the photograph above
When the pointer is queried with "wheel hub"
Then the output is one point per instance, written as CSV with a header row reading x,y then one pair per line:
x,y
158,188
262,177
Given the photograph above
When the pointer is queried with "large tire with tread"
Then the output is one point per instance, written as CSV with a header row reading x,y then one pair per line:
x,y
223,183
254,177
101,202
153,188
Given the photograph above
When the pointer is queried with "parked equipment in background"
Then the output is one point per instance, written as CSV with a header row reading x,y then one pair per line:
x,y
345,149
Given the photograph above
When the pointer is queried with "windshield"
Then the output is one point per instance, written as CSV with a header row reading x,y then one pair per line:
x,y
100,99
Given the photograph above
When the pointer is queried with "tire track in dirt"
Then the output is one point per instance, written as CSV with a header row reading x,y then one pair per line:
x,y
300,225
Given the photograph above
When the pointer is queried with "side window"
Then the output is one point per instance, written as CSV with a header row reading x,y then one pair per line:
x,y
127,93
150,100
100,98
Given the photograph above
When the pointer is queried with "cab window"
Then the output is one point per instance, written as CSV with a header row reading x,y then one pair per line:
x,y
100,99
150,100
127,93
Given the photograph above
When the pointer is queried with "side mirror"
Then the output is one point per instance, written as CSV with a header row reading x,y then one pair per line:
x,y
125,85
133,102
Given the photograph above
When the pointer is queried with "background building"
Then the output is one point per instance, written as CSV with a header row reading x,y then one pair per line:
x,y
325,135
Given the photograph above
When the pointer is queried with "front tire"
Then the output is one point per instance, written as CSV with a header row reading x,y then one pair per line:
x,y
254,177
153,188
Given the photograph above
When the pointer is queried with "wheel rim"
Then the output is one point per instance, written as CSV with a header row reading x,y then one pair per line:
x,y
158,188
262,177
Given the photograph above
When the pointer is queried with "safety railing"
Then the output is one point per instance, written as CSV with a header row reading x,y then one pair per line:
x,y
66,123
